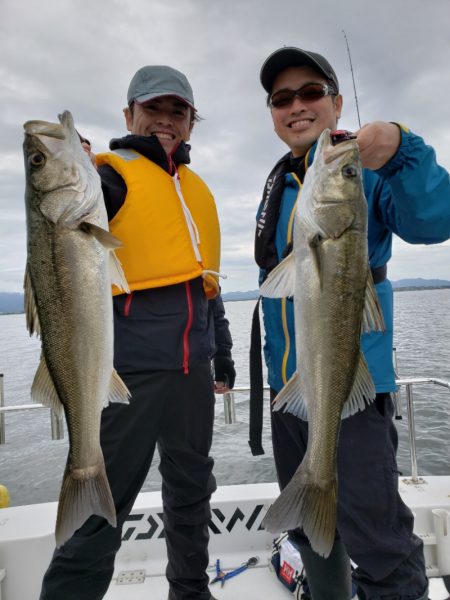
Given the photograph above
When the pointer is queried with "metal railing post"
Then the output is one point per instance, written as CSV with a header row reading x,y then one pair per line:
x,y
2,416
412,432
396,395
229,408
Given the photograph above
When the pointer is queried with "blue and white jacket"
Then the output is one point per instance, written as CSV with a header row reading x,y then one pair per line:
x,y
409,196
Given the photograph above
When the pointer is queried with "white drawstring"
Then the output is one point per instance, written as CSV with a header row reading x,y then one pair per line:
x,y
208,272
192,227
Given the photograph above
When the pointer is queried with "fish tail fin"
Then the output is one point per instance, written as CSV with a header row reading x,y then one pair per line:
x,y
305,504
84,492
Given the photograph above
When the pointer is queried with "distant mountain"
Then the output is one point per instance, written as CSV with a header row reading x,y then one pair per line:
x,y
231,296
420,283
401,284
13,302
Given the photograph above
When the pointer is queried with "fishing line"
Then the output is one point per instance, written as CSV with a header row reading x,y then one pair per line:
x,y
353,78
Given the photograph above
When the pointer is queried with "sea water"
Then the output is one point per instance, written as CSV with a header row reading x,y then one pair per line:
x,y
32,464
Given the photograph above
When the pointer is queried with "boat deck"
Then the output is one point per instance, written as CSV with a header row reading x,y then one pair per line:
x,y
27,542
258,583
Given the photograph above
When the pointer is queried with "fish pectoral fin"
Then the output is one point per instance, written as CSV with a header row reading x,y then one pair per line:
x,y
363,392
103,236
372,315
116,273
118,391
290,398
43,389
280,282
31,314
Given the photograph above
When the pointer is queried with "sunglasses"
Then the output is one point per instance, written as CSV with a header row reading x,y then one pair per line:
x,y
311,92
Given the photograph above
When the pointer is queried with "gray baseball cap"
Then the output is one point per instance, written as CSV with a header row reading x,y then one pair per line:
x,y
289,56
158,80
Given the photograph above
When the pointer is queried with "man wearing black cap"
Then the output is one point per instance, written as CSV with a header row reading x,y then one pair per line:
x,y
408,194
165,333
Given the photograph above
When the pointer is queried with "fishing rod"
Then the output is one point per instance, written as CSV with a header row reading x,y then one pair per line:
x,y
353,77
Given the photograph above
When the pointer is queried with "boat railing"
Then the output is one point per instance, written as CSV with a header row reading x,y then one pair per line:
x,y
229,404
57,423
408,383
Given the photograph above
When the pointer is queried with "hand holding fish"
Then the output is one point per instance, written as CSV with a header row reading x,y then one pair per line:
x,y
378,142
86,145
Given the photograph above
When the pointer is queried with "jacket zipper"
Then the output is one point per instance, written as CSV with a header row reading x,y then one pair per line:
x,y
187,328
287,340
127,305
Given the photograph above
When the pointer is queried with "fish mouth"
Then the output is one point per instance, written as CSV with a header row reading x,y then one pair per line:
x,y
56,131
334,153
51,130
348,149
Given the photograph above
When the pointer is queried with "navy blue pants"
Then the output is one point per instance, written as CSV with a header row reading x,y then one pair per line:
x,y
374,525
175,411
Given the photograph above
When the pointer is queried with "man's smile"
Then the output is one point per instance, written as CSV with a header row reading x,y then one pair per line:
x,y
296,124
163,135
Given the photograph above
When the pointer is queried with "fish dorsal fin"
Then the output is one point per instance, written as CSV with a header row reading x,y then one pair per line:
x,y
372,315
363,392
280,282
290,399
118,391
43,389
31,315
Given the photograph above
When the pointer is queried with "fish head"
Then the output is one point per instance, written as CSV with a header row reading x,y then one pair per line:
x,y
333,195
62,183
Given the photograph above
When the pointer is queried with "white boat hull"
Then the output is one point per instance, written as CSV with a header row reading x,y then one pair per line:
x,y
27,543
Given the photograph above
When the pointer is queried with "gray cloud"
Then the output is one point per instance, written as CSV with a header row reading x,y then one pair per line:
x,y
81,55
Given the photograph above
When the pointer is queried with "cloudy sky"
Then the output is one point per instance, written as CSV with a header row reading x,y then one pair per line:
x,y
80,55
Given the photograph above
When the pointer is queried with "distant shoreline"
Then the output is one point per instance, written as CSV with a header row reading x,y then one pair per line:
x,y
421,288
253,295
227,296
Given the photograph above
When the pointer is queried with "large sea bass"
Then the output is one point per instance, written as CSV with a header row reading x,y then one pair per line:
x,y
334,300
70,266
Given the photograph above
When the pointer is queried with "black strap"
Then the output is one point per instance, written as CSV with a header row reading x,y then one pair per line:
x,y
256,386
379,274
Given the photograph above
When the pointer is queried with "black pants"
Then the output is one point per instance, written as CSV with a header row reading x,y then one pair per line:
x,y
374,525
175,411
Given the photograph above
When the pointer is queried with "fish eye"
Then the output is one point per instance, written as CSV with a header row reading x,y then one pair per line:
x,y
349,171
37,159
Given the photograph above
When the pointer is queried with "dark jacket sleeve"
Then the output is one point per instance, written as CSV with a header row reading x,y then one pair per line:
x,y
114,189
223,343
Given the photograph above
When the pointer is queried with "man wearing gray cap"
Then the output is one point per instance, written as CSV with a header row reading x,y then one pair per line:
x,y
374,527
165,333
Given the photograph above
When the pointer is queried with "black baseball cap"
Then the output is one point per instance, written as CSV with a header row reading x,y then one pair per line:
x,y
289,56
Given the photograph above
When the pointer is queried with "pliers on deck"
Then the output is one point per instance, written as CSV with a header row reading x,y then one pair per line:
x,y
222,576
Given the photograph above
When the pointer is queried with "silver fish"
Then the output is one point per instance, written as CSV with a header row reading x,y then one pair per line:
x,y
68,303
328,275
